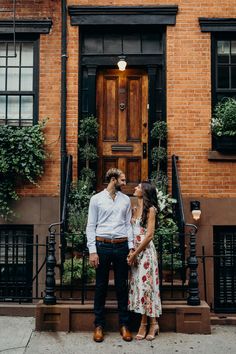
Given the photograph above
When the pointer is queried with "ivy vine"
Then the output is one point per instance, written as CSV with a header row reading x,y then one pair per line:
x,y
21,161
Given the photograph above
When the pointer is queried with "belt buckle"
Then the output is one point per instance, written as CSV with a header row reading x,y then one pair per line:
x,y
112,240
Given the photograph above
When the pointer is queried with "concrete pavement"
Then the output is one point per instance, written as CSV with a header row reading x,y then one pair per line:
x,y
17,336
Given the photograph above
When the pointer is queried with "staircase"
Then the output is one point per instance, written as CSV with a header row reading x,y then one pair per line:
x,y
72,315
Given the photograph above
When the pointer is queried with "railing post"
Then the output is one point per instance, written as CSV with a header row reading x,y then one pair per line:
x,y
50,297
193,298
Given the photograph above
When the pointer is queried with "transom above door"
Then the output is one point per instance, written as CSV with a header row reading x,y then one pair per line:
x,y
122,112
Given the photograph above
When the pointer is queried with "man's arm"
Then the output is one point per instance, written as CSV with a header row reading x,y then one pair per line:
x,y
91,232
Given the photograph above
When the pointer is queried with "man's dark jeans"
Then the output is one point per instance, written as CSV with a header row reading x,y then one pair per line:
x,y
117,255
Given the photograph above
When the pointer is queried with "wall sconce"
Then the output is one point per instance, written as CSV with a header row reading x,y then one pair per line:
x,y
195,209
122,63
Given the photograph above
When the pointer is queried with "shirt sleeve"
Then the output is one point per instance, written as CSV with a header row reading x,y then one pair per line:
x,y
91,226
129,227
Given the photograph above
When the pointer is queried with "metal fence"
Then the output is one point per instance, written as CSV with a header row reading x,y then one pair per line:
x,y
22,264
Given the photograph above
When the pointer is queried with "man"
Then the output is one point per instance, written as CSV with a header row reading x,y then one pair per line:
x,y
109,240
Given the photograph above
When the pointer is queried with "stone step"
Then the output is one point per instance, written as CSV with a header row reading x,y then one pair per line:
x,y
167,291
13,309
223,319
73,316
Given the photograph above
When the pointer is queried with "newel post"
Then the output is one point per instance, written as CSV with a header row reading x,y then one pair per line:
x,y
50,297
193,298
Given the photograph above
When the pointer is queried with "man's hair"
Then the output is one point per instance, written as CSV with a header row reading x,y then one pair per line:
x,y
113,172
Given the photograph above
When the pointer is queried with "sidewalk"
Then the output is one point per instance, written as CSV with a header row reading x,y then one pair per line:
x,y
17,336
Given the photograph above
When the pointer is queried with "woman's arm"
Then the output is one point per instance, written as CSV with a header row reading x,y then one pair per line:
x,y
148,237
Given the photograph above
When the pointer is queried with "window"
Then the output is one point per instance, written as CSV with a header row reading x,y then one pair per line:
x,y
16,262
225,268
224,67
18,82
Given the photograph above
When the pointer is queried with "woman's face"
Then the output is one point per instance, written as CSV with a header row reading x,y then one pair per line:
x,y
138,191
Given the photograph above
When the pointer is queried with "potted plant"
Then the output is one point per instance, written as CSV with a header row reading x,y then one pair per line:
x,y
159,155
223,125
166,238
82,190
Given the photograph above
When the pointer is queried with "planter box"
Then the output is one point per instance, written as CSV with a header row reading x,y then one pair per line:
x,y
225,144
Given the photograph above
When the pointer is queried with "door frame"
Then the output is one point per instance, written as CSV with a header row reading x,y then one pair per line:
x,y
155,66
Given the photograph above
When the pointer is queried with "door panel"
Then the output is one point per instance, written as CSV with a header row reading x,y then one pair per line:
x,y
123,124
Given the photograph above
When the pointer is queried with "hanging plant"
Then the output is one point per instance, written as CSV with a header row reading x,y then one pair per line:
x,y
21,161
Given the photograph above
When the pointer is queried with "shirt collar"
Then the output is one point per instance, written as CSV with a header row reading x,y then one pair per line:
x,y
108,194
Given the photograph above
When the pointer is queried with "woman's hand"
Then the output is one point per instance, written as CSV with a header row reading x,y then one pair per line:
x,y
131,259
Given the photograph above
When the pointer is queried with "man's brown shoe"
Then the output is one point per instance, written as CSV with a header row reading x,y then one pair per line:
x,y
126,334
98,335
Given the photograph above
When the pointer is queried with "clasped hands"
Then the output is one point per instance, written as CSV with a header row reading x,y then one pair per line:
x,y
94,258
131,258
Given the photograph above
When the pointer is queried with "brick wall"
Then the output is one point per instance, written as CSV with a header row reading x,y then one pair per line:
x,y
188,94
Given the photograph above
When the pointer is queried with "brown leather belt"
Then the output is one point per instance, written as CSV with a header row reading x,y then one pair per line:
x,y
112,240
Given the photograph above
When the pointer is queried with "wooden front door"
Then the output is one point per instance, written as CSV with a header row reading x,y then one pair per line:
x,y
122,112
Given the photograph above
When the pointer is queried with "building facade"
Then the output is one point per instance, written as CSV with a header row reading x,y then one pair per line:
x,y
180,62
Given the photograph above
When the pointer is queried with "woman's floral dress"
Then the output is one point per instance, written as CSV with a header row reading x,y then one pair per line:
x,y
144,293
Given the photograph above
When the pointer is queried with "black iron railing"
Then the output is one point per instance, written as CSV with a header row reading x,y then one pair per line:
x,y
191,263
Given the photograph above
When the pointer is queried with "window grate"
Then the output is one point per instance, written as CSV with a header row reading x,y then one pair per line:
x,y
16,263
225,268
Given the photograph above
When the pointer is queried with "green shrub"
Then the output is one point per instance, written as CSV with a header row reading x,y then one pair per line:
x,y
224,118
73,270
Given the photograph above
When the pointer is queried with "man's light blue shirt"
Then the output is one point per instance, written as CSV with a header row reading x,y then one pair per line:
x,y
109,218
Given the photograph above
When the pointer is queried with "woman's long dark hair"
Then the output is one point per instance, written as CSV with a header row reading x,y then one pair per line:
x,y
149,200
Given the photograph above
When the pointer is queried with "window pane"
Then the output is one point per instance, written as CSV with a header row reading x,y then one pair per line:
x,y
13,79
233,51
92,43
3,52
2,79
13,107
2,107
132,43
27,54
26,79
112,43
223,51
152,43
223,77
233,76
27,107
15,61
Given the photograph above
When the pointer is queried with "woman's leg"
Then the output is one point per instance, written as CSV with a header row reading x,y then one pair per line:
x,y
153,328
142,328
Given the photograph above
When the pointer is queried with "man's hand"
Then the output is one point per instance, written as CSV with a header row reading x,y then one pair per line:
x,y
94,260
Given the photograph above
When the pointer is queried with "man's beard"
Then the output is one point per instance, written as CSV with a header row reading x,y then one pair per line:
x,y
117,188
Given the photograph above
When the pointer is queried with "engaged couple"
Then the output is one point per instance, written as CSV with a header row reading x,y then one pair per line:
x,y
123,237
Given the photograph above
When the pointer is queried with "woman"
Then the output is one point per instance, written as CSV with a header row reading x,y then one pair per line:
x,y
144,295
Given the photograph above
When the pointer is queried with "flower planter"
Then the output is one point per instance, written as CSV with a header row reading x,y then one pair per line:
x,y
225,144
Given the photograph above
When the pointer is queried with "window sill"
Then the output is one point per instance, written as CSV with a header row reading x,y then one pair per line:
x,y
214,155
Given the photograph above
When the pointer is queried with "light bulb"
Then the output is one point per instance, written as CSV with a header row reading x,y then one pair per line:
x,y
122,63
